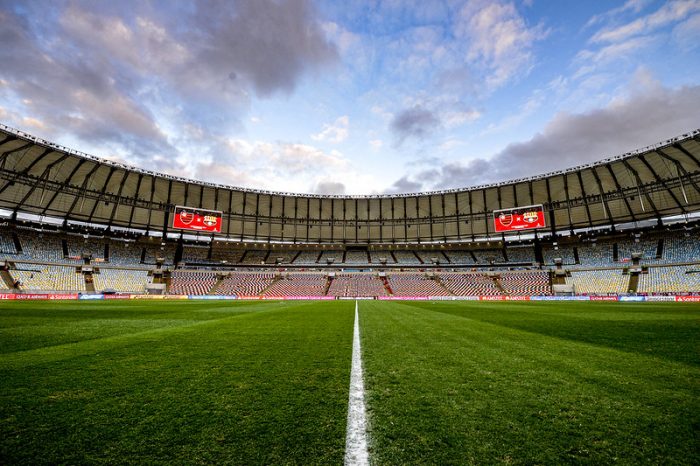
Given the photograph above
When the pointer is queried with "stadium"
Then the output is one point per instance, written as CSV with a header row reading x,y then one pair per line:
x,y
149,318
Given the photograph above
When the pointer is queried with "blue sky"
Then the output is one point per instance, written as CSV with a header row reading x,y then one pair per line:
x,y
351,97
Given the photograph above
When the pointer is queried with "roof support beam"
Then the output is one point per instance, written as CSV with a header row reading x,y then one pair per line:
x,y
619,190
585,198
639,186
663,183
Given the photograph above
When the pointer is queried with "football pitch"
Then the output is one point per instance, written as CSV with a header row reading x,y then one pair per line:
x,y
261,382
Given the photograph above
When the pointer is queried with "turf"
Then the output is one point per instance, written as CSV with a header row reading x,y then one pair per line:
x,y
174,383
148,382
532,383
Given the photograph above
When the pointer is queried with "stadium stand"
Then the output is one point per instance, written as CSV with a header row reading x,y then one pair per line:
x,y
526,283
121,280
406,257
378,256
470,284
50,278
521,254
78,246
195,254
356,257
245,284
299,284
192,283
460,257
124,253
413,284
566,254
670,279
598,281
488,256
356,285
307,257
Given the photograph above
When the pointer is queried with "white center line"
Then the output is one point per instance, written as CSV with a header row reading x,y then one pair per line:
x,y
356,439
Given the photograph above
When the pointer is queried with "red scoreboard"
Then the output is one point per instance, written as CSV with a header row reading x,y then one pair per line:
x,y
187,218
519,218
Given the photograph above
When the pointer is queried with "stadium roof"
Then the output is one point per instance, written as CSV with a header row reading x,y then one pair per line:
x,y
41,178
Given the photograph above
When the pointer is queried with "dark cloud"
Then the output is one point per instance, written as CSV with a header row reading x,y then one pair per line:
x,y
329,187
112,74
415,122
269,43
404,185
569,140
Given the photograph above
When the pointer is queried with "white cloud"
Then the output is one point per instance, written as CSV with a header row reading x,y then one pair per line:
x,y
335,132
630,5
687,33
376,144
499,39
669,13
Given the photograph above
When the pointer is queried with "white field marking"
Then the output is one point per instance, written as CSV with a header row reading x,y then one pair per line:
x,y
356,440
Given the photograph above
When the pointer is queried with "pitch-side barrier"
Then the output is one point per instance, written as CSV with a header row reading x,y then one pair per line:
x,y
76,296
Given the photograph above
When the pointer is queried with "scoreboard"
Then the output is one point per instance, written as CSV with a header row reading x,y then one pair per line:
x,y
188,218
519,218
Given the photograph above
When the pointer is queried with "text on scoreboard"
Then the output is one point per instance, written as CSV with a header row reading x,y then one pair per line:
x,y
188,218
519,218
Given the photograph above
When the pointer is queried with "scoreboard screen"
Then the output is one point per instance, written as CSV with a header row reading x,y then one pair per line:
x,y
188,218
519,218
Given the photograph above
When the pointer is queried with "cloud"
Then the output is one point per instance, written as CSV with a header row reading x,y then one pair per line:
x,y
630,5
334,132
280,166
404,185
670,12
126,79
329,187
687,33
499,39
415,122
646,116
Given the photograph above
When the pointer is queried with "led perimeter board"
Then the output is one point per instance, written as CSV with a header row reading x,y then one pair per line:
x,y
519,218
188,218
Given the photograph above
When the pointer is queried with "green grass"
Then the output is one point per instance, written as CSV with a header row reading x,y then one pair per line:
x,y
533,383
148,382
174,383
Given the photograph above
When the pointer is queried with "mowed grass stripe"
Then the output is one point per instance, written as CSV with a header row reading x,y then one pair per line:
x,y
126,336
270,388
663,330
445,389
24,325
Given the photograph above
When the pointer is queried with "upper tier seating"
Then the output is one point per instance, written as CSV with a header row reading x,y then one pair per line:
x,y
521,254
487,256
307,258
406,257
77,246
460,257
377,257
356,257
565,253
255,257
195,254
598,254
124,253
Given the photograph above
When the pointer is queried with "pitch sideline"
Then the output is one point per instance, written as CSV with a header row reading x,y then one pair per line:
x,y
356,439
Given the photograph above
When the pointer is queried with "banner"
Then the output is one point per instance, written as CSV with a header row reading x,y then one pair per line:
x,y
688,299
91,296
519,218
187,218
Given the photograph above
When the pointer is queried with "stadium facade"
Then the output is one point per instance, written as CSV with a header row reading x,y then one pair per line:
x,y
77,223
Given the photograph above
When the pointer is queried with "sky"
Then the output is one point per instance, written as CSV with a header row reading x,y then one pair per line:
x,y
353,96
